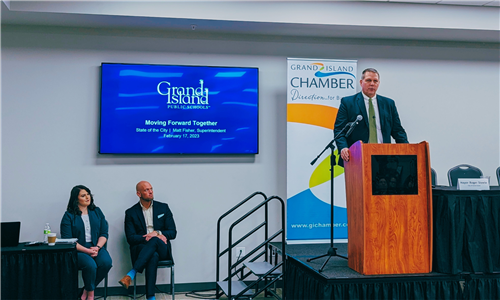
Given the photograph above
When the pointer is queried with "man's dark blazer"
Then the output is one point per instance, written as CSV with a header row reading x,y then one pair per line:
x,y
352,106
135,226
72,226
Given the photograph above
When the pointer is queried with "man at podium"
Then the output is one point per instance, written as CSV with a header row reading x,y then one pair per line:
x,y
388,186
380,117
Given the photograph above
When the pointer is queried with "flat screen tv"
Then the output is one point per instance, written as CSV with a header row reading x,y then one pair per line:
x,y
173,109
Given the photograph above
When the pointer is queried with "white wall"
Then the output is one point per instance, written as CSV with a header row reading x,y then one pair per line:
x,y
446,93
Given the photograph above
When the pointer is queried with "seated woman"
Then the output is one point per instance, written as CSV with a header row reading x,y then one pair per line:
x,y
86,222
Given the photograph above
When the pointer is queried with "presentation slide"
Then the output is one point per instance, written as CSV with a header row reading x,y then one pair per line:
x,y
178,109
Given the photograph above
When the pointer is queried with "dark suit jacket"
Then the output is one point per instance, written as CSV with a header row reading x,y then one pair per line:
x,y
72,226
352,106
135,226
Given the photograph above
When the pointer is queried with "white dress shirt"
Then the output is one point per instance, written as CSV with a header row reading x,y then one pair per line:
x,y
380,138
86,224
148,217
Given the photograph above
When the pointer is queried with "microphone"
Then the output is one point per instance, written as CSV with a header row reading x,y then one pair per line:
x,y
353,125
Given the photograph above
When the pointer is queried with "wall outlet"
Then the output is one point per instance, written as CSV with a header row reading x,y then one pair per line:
x,y
240,252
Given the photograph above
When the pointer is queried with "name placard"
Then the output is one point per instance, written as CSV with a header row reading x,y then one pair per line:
x,y
477,184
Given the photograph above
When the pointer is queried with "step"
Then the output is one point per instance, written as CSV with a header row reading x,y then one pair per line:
x,y
236,288
261,268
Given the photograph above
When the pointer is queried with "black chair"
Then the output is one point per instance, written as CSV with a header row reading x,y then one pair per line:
x,y
105,282
105,288
498,175
433,177
162,264
463,171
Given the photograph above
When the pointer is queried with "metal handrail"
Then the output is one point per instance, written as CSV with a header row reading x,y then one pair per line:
x,y
243,238
281,264
218,232
264,244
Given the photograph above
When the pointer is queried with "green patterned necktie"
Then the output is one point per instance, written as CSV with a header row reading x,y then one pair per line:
x,y
372,122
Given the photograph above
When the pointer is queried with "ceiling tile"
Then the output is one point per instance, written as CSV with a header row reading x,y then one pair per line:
x,y
493,3
416,1
447,2
465,2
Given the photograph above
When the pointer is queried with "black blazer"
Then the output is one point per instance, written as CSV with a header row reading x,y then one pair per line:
x,y
135,226
352,106
72,226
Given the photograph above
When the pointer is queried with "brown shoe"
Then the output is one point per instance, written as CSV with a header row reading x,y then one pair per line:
x,y
126,281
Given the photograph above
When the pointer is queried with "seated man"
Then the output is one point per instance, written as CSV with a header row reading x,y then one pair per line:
x,y
149,227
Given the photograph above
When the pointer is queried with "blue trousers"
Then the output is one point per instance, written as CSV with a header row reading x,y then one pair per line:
x,y
94,269
149,256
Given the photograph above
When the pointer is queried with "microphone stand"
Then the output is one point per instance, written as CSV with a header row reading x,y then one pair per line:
x,y
332,251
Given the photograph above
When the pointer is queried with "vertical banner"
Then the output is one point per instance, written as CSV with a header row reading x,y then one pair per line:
x,y
315,87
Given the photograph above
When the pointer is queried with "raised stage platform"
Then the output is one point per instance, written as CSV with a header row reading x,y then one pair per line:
x,y
338,281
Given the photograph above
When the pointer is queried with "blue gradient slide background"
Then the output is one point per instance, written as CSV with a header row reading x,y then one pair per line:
x,y
129,97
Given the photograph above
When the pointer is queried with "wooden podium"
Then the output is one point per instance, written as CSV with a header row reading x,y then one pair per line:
x,y
390,230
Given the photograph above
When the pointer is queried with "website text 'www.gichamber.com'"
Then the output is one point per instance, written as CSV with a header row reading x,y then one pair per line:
x,y
317,225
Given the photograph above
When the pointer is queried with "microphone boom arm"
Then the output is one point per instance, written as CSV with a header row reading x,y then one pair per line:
x,y
349,127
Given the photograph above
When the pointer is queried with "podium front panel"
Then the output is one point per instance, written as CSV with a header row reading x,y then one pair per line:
x,y
389,233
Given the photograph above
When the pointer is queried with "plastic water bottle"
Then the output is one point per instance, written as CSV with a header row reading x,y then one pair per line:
x,y
46,232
